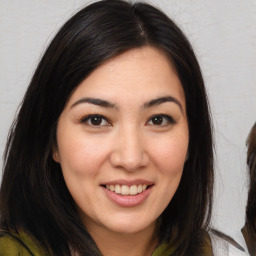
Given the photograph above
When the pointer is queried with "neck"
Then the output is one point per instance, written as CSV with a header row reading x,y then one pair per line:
x,y
110,243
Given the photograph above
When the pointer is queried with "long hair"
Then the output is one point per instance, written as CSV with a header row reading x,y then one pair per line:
x,y
34,197
251,201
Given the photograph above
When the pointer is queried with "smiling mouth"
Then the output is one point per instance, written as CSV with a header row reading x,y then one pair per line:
x,y
127,190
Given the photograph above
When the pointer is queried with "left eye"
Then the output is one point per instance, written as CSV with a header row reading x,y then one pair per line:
x,y
161,120
95,120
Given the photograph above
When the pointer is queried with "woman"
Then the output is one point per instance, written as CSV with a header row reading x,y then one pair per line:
x,y
111,152
249,230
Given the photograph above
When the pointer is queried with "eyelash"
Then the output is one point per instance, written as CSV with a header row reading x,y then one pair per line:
x,y
169,119
87,119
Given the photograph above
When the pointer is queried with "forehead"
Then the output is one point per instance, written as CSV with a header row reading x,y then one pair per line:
x,y
137,74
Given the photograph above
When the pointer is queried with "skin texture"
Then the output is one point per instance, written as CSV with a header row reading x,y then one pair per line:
x,y
125,144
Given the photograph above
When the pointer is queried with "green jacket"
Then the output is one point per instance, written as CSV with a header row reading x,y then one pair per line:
x,y
22,245
18,245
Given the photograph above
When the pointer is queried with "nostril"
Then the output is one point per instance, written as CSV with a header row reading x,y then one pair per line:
x,y
129,157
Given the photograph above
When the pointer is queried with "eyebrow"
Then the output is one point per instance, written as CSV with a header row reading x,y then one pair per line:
x,y
107,104
161,100
94,101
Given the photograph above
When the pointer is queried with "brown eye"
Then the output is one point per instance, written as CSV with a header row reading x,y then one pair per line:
x,y
161,120
157,120
95,120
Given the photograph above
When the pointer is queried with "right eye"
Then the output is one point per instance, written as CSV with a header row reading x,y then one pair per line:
x,y
95,120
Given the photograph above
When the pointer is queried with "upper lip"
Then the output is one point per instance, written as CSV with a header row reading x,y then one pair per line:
x,y
129,182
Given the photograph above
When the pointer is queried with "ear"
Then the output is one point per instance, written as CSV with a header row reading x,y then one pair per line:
x,y
55,155
187,156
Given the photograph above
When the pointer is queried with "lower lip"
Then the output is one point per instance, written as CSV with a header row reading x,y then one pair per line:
x,y
128,201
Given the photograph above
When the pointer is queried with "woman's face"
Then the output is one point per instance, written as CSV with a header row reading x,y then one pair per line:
x,y
122,141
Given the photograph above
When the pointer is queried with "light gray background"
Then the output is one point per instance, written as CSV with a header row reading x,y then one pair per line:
x,y
223,33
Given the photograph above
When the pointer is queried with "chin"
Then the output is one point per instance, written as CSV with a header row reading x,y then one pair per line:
x,y
129,227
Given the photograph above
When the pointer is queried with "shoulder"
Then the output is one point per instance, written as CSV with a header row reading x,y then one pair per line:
x,y
224,245
12,244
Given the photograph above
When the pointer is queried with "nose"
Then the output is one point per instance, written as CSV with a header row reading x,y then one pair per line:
x,y
129,152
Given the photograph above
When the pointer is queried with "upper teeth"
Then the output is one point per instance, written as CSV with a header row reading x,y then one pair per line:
x,y
127,190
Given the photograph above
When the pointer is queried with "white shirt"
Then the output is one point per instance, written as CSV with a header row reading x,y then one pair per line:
x,y
222,247
241,241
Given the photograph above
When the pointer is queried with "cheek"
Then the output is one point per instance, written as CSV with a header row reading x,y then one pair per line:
x,y
81,156
170,155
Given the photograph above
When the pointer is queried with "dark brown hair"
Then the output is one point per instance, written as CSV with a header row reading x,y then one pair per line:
x,y
34,197
251,201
